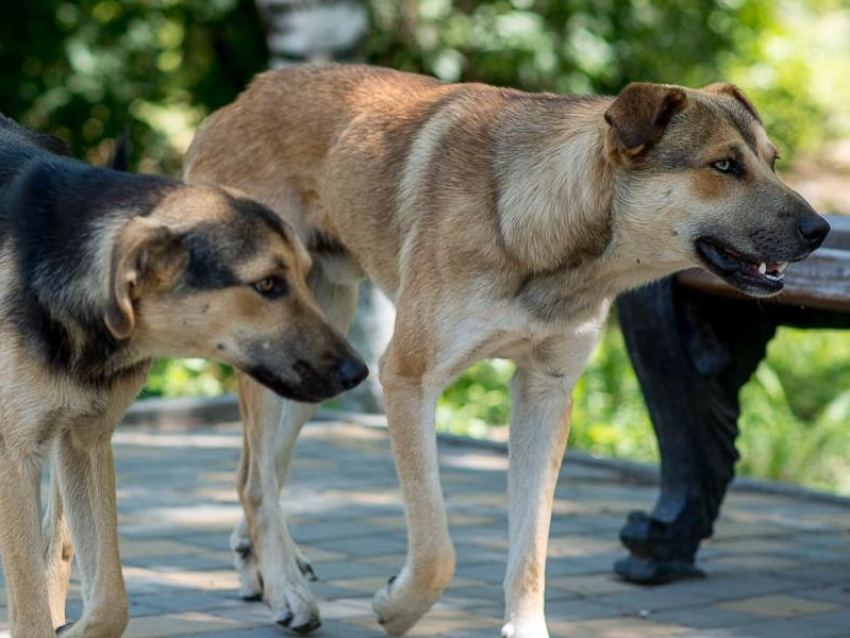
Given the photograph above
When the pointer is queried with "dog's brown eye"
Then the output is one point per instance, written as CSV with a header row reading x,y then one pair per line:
x,y
270,287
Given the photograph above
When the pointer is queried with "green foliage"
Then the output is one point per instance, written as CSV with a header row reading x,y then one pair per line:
x,y
194,377
796,410
90,69
478,400
568,46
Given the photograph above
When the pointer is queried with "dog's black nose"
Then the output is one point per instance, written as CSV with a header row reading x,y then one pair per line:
x,y
351,372
813,229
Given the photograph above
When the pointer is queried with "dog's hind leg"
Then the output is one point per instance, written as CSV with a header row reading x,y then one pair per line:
x,y
268,560
86,472
59,551
21,544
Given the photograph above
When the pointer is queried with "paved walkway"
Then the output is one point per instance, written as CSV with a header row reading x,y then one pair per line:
x,y
779,565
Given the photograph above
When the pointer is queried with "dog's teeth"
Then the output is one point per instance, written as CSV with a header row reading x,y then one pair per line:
x,y
782,266
762,268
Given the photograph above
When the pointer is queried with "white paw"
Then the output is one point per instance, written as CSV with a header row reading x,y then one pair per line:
x,y
400,605
531,628
282,584
292,603
109,625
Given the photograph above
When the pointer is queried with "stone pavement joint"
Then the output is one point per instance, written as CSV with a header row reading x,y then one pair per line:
x,y
779,564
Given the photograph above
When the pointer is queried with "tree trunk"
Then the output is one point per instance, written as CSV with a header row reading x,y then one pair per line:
x,y
304,31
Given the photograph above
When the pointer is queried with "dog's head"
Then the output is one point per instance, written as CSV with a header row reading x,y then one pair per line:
x,y
696,183
213,274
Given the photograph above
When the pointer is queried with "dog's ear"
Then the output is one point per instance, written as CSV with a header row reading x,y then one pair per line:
x,y
119,157
724,88
640,114
146,257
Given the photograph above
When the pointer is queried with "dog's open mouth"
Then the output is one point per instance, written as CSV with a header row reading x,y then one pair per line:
x,y
751,275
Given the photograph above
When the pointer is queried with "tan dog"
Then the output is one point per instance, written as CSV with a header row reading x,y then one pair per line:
x,y
99,272
503,224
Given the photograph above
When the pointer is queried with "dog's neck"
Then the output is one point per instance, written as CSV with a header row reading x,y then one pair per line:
x,y
69,315
573,230
556,203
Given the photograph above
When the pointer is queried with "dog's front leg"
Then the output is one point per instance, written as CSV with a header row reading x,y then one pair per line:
x,y
540,424
268,560
59,551
21,544
410,404
86,471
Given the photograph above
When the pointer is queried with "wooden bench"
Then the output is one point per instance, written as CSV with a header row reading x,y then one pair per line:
x,y
694,341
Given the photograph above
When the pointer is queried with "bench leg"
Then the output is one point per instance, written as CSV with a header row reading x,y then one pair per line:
x,y
692,352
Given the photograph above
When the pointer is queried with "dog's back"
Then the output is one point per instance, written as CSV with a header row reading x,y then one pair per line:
x,y
362,154
20,146
310,125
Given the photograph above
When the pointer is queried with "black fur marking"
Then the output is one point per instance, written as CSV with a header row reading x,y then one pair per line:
x,y
324,243
50,207
217,247
255,210
208,267
119,158
9,129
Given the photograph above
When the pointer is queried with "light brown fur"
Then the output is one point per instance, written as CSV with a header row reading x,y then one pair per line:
x,y
502,224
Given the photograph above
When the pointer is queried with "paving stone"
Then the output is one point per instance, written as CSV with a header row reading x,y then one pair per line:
x,y
179,625
367,546
778,565
781,628
779,606
592,585
615,628
704,617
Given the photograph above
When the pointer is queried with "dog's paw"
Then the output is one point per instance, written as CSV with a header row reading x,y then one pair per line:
x,y
535,628
293,605
303,625
399,605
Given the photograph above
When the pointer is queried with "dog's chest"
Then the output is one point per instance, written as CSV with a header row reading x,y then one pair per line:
x,y
562,297
36,403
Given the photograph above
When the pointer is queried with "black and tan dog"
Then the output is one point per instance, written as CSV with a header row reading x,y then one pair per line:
x,y
99,272
503,224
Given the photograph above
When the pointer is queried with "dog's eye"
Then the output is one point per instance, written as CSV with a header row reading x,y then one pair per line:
x,y
270,287
728,166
